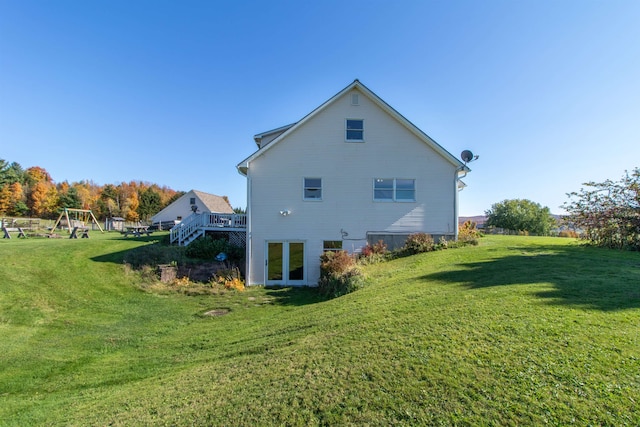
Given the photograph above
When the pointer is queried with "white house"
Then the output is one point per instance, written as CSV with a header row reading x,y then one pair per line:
x,y
352,171
190,202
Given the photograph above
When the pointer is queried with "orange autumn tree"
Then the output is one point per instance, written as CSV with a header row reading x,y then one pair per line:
x,y
131,207
37,199
5,199
33,192
37,174
17,204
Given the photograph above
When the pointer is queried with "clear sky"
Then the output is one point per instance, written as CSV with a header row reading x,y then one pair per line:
x,y
547,93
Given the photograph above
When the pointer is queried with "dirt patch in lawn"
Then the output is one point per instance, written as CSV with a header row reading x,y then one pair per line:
x,y
217,312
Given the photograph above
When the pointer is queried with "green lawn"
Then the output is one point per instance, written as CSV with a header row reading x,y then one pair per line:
x,y
515,331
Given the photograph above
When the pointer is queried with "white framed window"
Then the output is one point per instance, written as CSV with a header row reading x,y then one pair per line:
x,y
331,245
355,99
354,130
312,189
394,190
383,189
405,190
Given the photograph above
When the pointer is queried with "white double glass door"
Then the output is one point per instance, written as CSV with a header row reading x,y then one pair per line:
x,y
285,263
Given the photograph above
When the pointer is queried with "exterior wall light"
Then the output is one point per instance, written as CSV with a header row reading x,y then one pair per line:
x,y
285,212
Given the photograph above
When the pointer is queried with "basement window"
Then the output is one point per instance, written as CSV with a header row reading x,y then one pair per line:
x,y
331,245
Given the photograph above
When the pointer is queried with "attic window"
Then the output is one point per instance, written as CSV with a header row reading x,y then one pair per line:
x,y
355,130
355,99
192,201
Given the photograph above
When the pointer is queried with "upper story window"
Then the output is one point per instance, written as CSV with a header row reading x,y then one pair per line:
x,y
192,201
312,189
394,190
355,130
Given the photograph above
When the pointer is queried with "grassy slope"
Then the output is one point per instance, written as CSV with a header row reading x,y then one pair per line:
x,y
516,331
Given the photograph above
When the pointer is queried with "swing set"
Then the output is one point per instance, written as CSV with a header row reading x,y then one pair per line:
x,y
78,224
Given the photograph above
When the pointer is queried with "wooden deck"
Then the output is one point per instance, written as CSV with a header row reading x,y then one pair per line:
x,y
197,224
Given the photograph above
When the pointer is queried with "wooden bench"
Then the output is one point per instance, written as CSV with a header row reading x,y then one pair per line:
x,y
7,230
83,230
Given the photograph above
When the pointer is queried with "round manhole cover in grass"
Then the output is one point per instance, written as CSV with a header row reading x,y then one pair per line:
x,y
217,312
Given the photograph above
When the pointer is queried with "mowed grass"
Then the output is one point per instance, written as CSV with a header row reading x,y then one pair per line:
x,y
515,331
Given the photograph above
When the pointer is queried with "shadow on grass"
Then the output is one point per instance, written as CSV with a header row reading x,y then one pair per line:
x,y
294,296
587,277
158,252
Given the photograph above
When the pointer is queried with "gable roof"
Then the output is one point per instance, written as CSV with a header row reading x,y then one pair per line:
x,y
270,135
212,202
283,131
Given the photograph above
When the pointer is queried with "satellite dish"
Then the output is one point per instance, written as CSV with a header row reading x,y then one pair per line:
x,y
466,156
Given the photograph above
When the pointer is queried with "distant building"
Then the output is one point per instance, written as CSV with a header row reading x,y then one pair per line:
x,y
114,223
191,202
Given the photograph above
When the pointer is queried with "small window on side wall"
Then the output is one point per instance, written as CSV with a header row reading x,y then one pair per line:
x,y
331,245
355,130
312,189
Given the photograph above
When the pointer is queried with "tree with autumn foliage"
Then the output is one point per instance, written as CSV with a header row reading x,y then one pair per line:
x,y
33,192
17,203
131,207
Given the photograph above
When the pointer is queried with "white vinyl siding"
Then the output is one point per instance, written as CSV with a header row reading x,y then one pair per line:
x,y
318,149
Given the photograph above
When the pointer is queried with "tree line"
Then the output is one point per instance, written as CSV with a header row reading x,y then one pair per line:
x,y
605,213
32,192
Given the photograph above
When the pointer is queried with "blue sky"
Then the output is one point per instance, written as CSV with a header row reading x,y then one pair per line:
x,y
547,93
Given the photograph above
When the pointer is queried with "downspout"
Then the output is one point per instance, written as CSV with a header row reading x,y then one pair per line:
x,y
248,232
457,178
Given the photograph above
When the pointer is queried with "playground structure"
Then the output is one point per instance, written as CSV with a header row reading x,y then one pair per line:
x,y
77,225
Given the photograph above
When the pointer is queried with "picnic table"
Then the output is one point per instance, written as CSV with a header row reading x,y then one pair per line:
x,y
137,230
6,231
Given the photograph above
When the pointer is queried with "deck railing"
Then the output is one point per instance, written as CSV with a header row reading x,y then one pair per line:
x,y
196,222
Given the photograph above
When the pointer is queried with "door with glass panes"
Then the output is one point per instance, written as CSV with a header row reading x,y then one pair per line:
x,y
285,263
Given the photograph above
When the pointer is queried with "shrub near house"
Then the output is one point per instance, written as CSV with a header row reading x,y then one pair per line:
x,y
340,273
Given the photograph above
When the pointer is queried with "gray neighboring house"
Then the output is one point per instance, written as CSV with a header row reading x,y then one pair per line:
x,y
190,202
